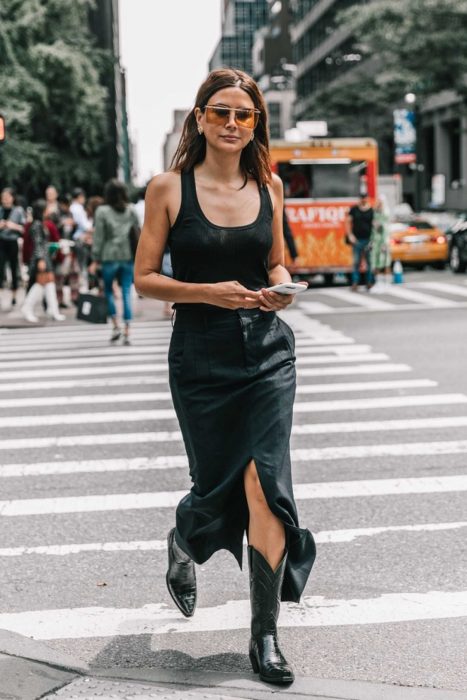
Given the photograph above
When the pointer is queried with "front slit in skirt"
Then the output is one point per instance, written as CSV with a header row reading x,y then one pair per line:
x,y
232,378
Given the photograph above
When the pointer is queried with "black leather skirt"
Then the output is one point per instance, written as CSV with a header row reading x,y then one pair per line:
x,y
232,378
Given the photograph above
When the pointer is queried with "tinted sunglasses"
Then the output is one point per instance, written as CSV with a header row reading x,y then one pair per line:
x,y
243,116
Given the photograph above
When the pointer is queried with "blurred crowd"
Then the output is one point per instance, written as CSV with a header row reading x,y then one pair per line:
x,y
47,243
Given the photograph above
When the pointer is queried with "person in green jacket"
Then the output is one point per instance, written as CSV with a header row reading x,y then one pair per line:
x,y
114,223
380,248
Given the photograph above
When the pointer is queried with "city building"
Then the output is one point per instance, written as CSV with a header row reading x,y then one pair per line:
x,y
172,139
240,20
322,50
273,67
104,24
442,178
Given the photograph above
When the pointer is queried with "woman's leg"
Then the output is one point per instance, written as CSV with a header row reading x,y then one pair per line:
x,y
109,270
267,560
126,280
265,532
356,254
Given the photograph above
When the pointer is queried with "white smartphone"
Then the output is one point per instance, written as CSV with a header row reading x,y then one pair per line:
x,y
288,288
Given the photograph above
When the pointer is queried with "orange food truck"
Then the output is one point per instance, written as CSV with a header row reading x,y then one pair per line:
x,y
322,179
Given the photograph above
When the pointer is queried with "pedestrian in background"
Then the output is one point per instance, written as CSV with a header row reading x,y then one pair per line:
x,y
359,224
12,220
41,276
380,248
231,358
111,248
81,235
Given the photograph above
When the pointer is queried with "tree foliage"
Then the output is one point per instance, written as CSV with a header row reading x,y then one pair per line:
x,y
417,46
50,94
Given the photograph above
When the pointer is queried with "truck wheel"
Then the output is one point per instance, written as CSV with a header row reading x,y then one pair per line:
x,y
328,279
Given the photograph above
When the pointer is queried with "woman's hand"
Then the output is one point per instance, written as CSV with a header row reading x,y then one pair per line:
x,y
272,301
232,295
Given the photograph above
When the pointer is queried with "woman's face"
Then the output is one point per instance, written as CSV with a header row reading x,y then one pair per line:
x,y
7,199
51,194
224,129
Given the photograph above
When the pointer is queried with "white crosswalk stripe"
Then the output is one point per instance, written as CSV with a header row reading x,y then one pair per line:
x,y
65,396
407,297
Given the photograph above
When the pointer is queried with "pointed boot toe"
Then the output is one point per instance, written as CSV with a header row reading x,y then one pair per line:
x,y
181,577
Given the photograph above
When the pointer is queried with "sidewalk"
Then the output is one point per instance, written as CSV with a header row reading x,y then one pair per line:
x,y
30,670
143,310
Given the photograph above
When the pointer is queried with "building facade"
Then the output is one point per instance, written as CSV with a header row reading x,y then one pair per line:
x,y
240,20
104,24
172,139
322,50
273,67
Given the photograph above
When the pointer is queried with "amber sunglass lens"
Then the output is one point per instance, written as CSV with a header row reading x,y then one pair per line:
x,y
217,115
245,117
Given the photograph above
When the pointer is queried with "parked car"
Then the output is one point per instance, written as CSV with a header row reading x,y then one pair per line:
x,y
457,242
418,243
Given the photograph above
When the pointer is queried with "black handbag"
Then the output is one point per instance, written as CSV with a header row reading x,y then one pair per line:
x,y
92,308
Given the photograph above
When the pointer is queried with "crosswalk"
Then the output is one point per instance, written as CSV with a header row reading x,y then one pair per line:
x,y
92,466
411,296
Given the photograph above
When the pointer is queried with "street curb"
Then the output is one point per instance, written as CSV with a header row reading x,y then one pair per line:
x,y
20,647
33,657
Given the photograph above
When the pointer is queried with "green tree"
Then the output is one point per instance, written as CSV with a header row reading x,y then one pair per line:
x,y
405,46
51,94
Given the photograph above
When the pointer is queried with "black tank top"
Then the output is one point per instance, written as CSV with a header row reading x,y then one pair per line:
x,y
202,252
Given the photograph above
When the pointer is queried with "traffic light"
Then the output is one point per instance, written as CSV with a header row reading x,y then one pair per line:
x,y
2,129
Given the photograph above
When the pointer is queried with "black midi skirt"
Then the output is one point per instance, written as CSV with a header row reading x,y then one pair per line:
x,y
232,378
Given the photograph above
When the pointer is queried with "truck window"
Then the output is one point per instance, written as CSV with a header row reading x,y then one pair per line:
x,y
322,180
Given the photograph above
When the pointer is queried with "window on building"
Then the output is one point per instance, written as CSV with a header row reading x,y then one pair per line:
x,y
428,147
454,135
274,112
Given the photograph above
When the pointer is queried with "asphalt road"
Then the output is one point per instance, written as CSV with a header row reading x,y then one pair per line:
x,y
88,487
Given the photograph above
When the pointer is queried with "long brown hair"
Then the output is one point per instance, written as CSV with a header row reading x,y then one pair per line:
x,y
254,160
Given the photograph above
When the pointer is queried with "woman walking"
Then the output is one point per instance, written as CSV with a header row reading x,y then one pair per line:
x,y
12,220
111,247
231,358
380,248
41,275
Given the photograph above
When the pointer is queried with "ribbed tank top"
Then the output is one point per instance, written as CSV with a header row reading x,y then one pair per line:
x,y
203,252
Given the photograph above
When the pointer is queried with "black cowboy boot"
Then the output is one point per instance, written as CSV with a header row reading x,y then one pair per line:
x,y
265,595
181,577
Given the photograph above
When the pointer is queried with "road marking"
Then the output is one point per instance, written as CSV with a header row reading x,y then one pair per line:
x,y
158,379
421,298
88,440
446,287
93,399
381,425
315,454
391,450
170,499
392,307
333,359
23,443
134,352
82,383
364,300
313,611
169,413
356,369
323,537
86,371
63,362
365,386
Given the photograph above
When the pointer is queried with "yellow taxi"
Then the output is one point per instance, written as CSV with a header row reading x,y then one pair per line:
x,y
418,243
